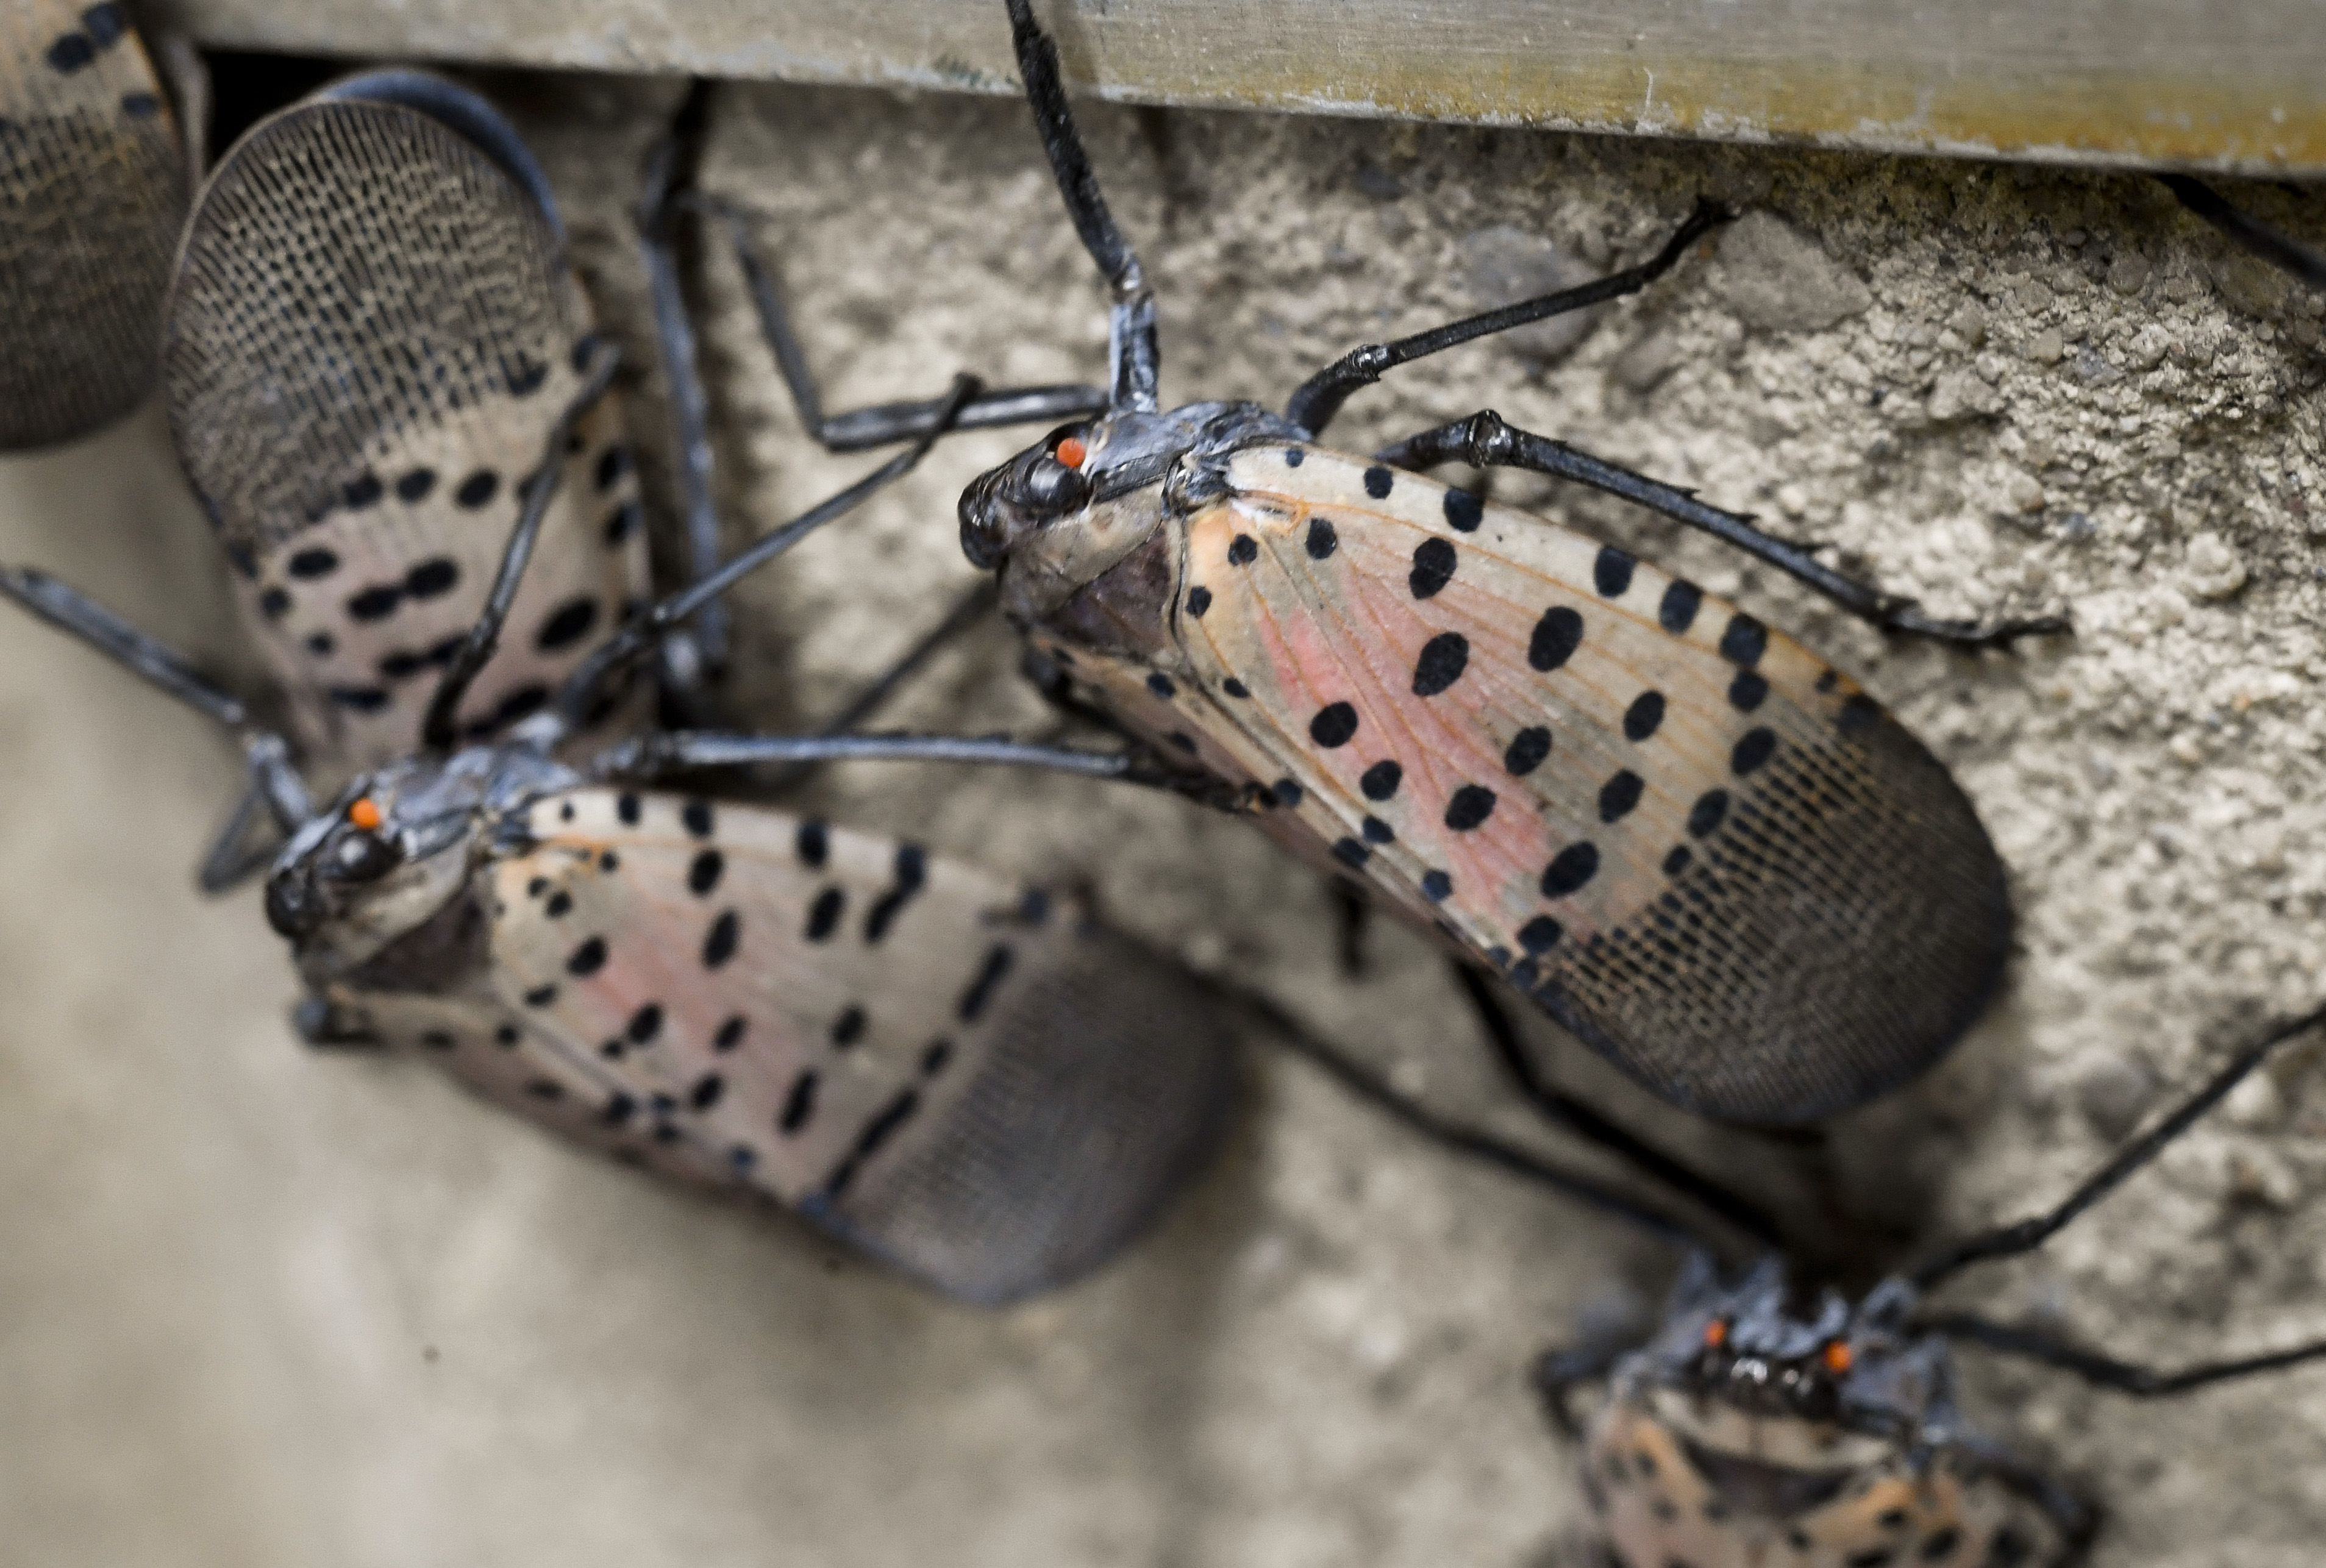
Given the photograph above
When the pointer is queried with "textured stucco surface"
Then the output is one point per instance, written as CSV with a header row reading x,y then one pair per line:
x,y
260,1306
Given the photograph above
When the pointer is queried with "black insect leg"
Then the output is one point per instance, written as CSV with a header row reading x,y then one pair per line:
x,y
1484,441
2011,1241
886,422
648,630
274,791
1469,1144
1320,397
2280,250
2107,1371
1586,1122
440,729
970,609
1134,360
693,656
1557,1374
650,757
274,786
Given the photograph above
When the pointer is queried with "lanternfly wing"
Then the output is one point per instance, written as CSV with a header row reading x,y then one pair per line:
x,y
92,191
1658,1499
971,1081
1701,848
499,1053
364,460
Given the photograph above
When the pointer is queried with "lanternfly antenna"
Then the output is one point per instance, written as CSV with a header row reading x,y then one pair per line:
x,y
1134,361
2013,1240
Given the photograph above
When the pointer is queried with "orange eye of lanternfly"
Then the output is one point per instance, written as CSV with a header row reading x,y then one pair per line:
x,y
1836,1357
1071,452
1715,1334
366,813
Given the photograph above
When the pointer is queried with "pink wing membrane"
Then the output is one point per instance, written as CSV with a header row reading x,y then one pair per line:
x,y
1697,844
964,1076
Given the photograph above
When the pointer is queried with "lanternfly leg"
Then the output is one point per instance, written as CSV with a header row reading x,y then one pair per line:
x,y
441,727
274,784
883,423
2107,1371
2011,1241
1319,398
1465,1142
1586,1123
1134,361
651,757
2280,250
692,655
971,607
1484,441
275,790
646,630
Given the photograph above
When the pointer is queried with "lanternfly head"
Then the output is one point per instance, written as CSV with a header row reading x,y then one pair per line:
x,y
1766,1350
383,859
1076,471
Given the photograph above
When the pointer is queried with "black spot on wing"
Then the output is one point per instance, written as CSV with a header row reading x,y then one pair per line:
x,y
587,958
1555,638
477,489
1463,511
1323,539
1335,725
1527,750
1677,613
980,994
813,844
730,1032
719,942
912,873
1755,749
799,1103
703,873
1378,482
697,816
315,561
1642,718
824,914
1380,781
1745,641
1443,659
1611,572
1570,870
1434,561
567,625
1619,794
1468,807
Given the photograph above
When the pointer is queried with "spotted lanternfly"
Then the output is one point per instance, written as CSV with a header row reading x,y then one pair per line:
x,y
970,1080
1699,846
92,191
362,463
1766,1427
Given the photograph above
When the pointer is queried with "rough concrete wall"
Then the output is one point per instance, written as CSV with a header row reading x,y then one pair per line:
x,y
266,1307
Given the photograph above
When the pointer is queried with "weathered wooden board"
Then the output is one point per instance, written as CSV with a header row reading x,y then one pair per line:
x,y
2132,82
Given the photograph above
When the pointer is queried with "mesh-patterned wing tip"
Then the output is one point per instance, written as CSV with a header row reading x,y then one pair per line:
x,y
1109,1078
1853,928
